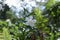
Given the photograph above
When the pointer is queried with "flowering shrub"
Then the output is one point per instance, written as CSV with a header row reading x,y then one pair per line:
x,y
29,22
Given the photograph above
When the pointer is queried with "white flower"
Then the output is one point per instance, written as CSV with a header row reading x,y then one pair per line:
x,y
23,29
42,7
19,9
57,0
12,2
38,0
30,21
1,7
0,0
43,0
20,31
32,3
9,22
27,30
58,29
58,38
29,8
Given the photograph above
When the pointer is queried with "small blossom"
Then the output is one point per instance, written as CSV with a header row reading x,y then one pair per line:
x,y
9,22
29,8
1,7
58,29
23,29
20,31
30,21
32,3
42,7
27,30
38,0
58,38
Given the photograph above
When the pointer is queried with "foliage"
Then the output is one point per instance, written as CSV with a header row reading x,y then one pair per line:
x,y
35,26
6,34
50,3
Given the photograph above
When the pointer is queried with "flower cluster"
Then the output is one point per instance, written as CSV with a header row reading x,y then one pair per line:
x,y
19,6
